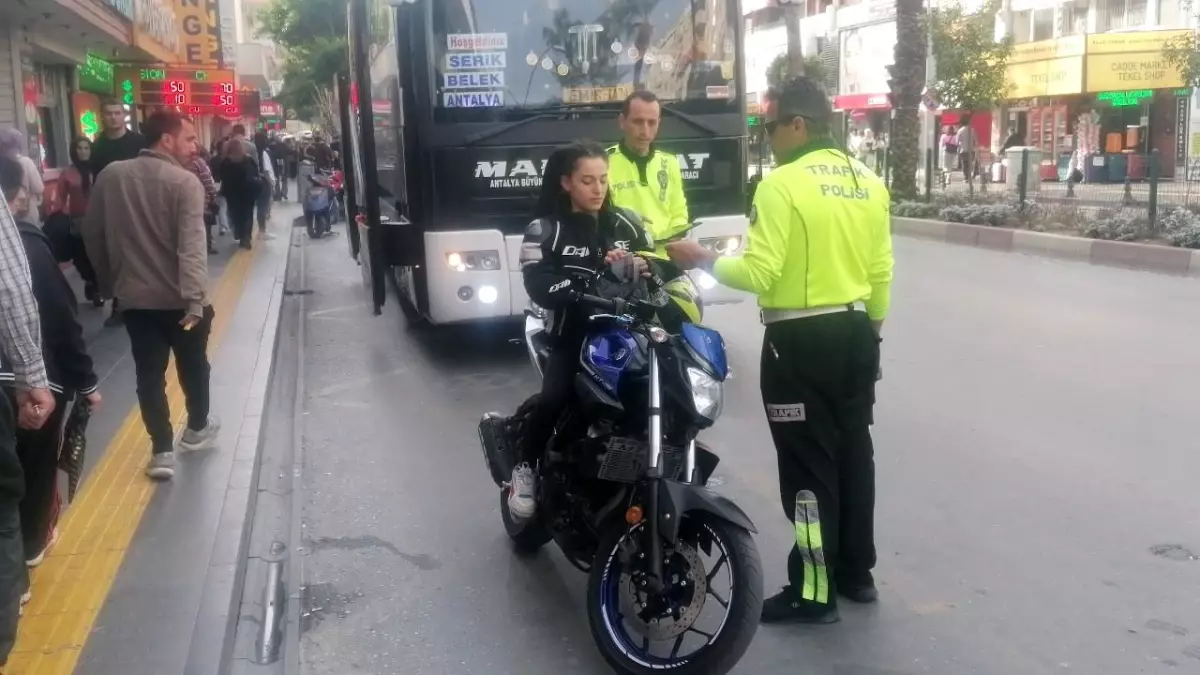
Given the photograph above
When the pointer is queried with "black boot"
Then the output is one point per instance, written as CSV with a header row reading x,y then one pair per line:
x,y
858,588
787,607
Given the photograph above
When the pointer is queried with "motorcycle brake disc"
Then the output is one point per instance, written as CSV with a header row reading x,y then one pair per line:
x,y
667,628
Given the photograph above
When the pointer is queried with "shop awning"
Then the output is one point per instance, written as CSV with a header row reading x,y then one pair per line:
x,y
861,102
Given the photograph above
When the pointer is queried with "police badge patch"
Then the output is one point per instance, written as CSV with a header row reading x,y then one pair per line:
x,y
753,215
662,179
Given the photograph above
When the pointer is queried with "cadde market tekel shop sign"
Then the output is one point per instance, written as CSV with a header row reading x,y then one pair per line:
x,y
1092,64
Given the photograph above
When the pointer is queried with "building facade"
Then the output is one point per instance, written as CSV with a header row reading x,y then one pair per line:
x,y
1089,86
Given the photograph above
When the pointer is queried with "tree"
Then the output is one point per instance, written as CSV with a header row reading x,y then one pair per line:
x,y
313,35
814,67
1183,52
791,20
907,83
971,63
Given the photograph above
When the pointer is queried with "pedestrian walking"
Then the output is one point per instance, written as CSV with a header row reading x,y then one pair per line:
x,y
20,345
116,143
240,186
75,184
72,379
819,258
199,166
266,172
145,232
12,145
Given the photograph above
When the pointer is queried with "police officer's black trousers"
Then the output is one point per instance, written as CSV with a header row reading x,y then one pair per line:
x,y
818,389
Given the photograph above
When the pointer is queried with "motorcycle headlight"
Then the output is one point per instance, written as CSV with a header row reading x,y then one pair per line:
x,y
708,394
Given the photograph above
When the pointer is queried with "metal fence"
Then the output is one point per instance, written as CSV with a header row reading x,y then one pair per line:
x,y
1125,196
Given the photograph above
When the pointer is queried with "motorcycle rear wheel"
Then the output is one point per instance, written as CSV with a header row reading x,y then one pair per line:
x,y
528,536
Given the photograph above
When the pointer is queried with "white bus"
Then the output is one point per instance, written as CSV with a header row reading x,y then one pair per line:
x,y
454,106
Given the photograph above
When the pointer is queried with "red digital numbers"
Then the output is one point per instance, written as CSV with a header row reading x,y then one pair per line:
x,y
224,100
174,92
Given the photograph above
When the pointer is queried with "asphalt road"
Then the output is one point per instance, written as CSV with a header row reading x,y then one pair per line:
x,y
1037,510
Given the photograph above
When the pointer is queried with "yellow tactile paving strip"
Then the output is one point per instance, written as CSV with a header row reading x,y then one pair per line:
x,y
72,583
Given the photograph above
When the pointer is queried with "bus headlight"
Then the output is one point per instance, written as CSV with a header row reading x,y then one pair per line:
x,y
464,261
487,294
723,245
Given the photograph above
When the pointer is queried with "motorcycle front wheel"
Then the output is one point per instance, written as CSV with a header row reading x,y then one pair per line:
x,y
310,222
639,632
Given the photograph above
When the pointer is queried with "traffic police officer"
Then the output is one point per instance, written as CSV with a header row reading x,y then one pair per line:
x,y
819,257
642,178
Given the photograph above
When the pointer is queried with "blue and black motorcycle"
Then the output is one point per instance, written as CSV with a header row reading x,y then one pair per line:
x,y
675,581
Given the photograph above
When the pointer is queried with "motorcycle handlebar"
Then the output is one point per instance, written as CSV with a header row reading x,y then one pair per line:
x,y
617,306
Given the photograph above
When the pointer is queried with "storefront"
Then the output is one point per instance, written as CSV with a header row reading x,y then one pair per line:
x,y
1101,104
1046,82
1140,106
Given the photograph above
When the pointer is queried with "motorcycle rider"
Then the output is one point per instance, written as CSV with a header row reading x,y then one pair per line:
x,y
576,235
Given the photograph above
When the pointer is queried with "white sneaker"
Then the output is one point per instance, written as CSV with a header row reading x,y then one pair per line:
x,y
200,440
521,503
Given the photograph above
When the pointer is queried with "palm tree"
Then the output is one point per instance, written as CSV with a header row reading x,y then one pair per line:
x,y
791,19
907,83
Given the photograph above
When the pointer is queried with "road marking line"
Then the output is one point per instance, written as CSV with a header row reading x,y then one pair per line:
x,y
72,583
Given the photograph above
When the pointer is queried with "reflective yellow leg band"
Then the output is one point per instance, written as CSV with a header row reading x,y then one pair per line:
x,y
808,540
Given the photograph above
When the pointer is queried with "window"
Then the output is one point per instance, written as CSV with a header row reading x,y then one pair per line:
x,y
1119,14
529,54
1043,24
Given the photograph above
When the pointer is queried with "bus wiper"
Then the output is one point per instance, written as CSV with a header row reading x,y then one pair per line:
x,y
691,119
541,114
502,129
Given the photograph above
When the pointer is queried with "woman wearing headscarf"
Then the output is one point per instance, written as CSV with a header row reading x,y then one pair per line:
x,y
12,144
75,185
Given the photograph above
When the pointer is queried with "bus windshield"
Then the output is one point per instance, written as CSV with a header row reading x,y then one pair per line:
x,y
531,54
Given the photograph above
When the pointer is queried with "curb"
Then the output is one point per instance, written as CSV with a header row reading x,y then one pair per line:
x,y
1148,257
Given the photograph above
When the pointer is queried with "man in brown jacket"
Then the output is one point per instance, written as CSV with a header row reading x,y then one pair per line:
x,y
144,232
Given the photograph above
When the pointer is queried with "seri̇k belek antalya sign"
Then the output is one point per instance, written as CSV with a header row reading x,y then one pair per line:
x,y
1110,60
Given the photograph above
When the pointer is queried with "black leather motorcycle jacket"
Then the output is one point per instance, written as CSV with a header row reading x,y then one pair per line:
x,y
562,256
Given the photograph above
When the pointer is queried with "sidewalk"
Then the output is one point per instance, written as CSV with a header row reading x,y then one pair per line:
x,y
142,578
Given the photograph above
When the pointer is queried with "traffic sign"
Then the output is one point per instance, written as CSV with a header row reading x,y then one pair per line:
x,y
290,114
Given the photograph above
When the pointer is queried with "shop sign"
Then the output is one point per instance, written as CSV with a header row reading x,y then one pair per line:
x,y
861,102
1046,68
1131,61
95,75
1125,99
123,7
270,109
200,32
155,30
1182,108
